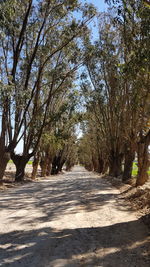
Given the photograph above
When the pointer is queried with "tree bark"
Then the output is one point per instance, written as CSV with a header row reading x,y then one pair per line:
x,y
115,164
105,167
20,163
61,164
94,163
100,165
4,158
49,166
55,165
43,164
69,165
35,166
143,160
129,158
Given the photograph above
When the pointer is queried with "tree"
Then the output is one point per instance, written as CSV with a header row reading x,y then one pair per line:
x,y
58,140
35,41
134,18
117,84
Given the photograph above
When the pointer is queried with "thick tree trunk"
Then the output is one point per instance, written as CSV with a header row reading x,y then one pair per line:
x,y
55,164
115,164
35,166
49,166
95,163
89,167
129,158
49,169
105,167
20,163
43,165
4,158
100,165
58,163
143,160
69,165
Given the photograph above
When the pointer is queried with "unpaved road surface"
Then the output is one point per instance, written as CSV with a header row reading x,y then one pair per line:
x,y
73,219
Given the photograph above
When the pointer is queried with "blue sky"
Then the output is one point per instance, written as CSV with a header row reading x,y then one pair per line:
x,y
101,6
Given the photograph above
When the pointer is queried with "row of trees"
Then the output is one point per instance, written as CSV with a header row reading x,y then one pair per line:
x,y
116,89
42,46
40,52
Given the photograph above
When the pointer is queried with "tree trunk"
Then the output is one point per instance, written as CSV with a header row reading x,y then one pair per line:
x,y
95,163
143,160
115,164
35,166
105,167
49,166
55,165
88,166
43,165
4,158
100,165
61,164
20,163
129,158
69,165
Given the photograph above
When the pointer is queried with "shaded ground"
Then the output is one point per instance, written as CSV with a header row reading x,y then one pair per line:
x,y
73,219
8,180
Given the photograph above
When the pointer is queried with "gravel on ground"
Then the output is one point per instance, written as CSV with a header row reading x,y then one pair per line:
x,y
73,219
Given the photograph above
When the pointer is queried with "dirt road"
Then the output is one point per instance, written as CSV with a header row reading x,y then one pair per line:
x,y
73,219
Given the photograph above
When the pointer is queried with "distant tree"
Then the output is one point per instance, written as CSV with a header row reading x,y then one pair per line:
x,y
58,139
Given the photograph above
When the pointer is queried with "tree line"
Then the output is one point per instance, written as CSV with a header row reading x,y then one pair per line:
x,y
40,52
116,89
43,45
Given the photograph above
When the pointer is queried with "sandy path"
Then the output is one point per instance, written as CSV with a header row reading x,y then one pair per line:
x,y
74,219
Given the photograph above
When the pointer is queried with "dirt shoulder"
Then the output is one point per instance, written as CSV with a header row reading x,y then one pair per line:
x,y
138,198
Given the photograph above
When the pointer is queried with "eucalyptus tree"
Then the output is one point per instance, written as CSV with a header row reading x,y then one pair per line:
x,y
92,149
65,134
102,60
133,19
58,139
38,40
48,105
118,70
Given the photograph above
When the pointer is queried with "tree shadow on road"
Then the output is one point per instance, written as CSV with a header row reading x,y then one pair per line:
x,y
54,198
121,245
97,246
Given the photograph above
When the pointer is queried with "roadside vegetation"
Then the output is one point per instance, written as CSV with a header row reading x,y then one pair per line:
x,y
135,170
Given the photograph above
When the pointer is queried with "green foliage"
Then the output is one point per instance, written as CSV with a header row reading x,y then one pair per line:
x,y
135,170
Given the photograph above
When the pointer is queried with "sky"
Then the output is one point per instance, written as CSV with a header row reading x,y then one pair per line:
x,y
101,6
98,3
